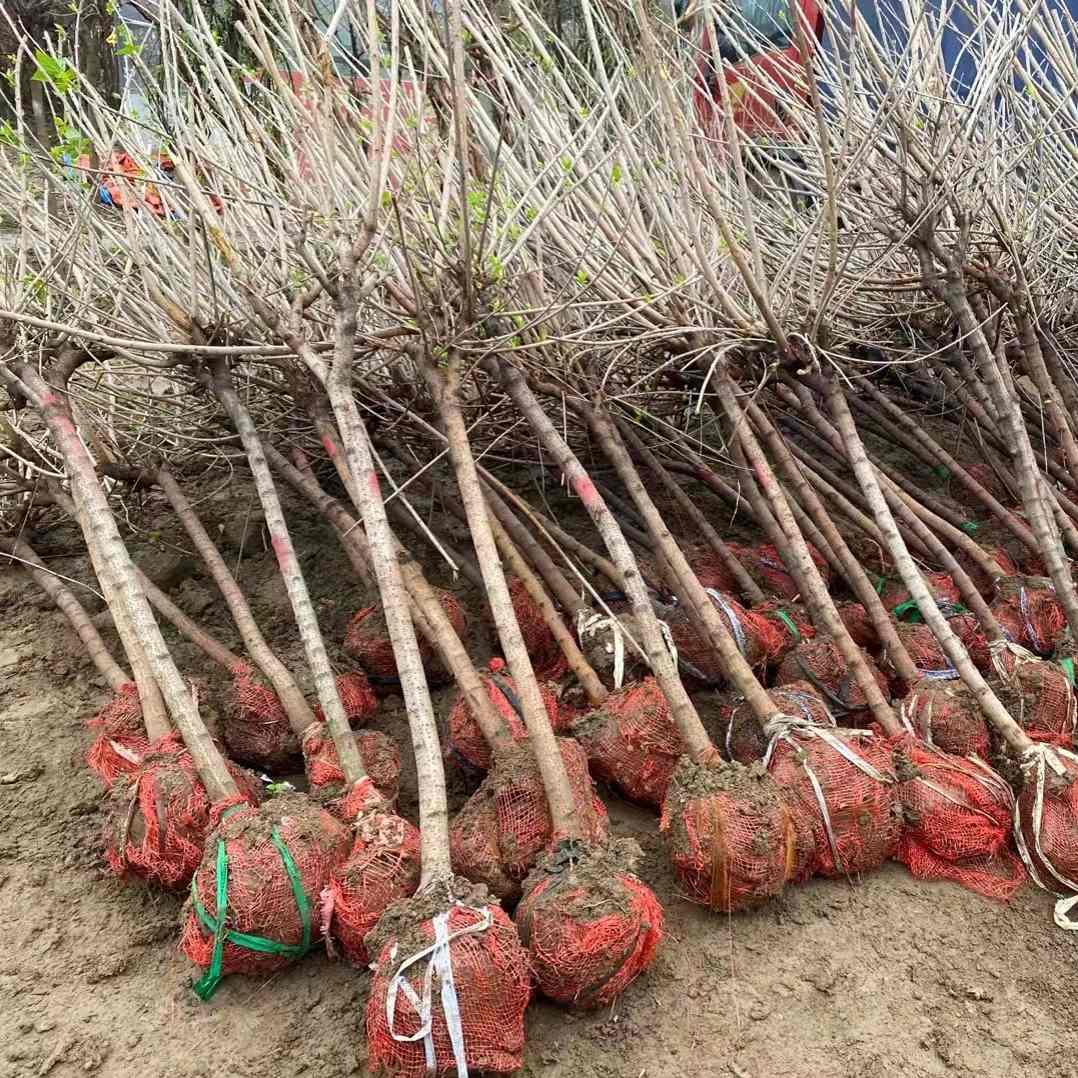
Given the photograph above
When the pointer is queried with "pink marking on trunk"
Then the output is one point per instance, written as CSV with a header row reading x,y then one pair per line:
x,y
586,492
372,482
330,446
283,549
48,399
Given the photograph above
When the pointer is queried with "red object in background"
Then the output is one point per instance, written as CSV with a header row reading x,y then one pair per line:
x,y
755,62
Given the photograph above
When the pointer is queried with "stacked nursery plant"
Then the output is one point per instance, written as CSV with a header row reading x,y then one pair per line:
x,y
679,421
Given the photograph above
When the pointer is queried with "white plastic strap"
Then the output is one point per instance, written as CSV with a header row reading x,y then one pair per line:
x,y
591,625
735,622
440,963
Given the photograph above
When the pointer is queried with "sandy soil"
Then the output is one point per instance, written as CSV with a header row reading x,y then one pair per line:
x,y
878,977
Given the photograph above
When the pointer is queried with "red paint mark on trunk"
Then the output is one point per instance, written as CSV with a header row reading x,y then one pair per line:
x,y
283,549
586,492
330,446
372,482
49,399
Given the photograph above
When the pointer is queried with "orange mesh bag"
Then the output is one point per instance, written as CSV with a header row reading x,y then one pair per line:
x,y
1029,613
746,740
474,1019
733,840
940,585
841,782
765,566
543,650
122,742
382,867
946,716
632,742
1001,556
255,727
986,475
590,925
505,824
381,760
1046,824
859,625
160,815
367,641
792,625
466,743
820,663
357,699
1038,694
254,898
710,570
757,638
925,651
957,816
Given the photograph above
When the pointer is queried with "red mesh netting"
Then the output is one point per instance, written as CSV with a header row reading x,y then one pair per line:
x,y
466,742
382,867
357,699
791,622
255,727
957,816
543,650
945,714
765,566
122,742
260,898
590,925
940,585
492,983
710,570
160,815
632,742
745,739
380,755
857,826
733,841
821,664
757,638
505,824
367,641
985,474
925,650
1029,613
1048,840
859,625
983,583
1038,696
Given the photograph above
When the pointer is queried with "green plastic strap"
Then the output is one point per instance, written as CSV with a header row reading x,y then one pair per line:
x,y
970,527
880,584
1068,669
908,607
207,984
789,623
942,471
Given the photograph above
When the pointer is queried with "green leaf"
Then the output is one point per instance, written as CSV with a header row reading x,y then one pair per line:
x,y
55,71
8,136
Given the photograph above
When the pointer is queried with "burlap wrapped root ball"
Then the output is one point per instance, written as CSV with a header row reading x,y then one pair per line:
x,y
367,641
945,715
381,760
466,744
859,625
505,825
471,942
766,567
120,740
632,742
1029,613
822,665
745,739
757,638
261,876
1038,694
382,867
160,814
957,816
733,840
255,726
847,797
791,623
590,925
1046,820
941,587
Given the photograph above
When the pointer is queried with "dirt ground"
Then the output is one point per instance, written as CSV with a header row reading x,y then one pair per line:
x,y
876,977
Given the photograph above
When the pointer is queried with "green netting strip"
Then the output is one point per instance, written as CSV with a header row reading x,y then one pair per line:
x,y
970,527
1068,669
789,623
948,610
879,584
208,982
